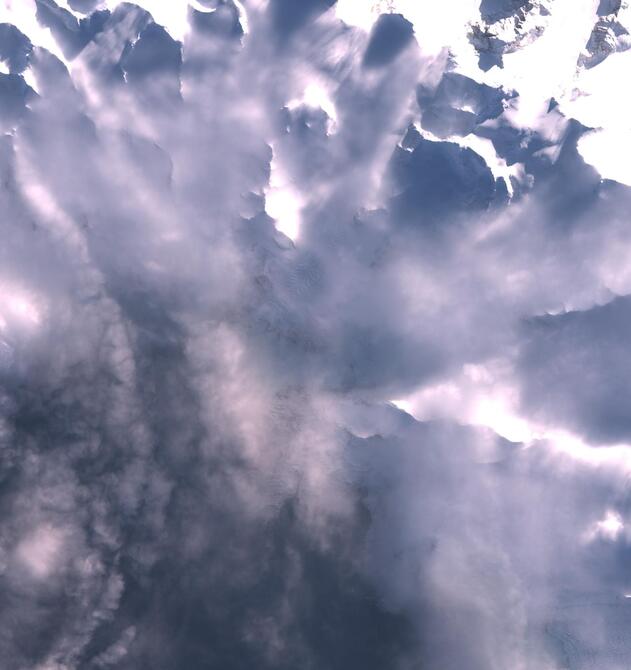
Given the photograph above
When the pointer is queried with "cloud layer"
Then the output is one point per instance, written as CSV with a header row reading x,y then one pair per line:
x,y
312,339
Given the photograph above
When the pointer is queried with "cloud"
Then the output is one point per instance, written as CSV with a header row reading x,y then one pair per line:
x,y
201,463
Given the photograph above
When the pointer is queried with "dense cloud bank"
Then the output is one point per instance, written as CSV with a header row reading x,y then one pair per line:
x,y
313,353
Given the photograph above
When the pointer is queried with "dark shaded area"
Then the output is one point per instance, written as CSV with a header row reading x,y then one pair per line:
x,y
490,48
606,7
489,59
373,355
602,42
71,33
224,21
444,121
34,630
15,94
495,10
263,597
15,48
575,370
121,30
154,60
569,186
411,138
84,6
459,104
388,38
438,180
288,16
155,52
156,163
514,145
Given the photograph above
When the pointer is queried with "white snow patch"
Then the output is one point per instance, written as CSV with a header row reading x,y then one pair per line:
x,y
608,528
316,96
283,201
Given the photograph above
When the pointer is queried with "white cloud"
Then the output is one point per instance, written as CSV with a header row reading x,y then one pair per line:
x,y
41,551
